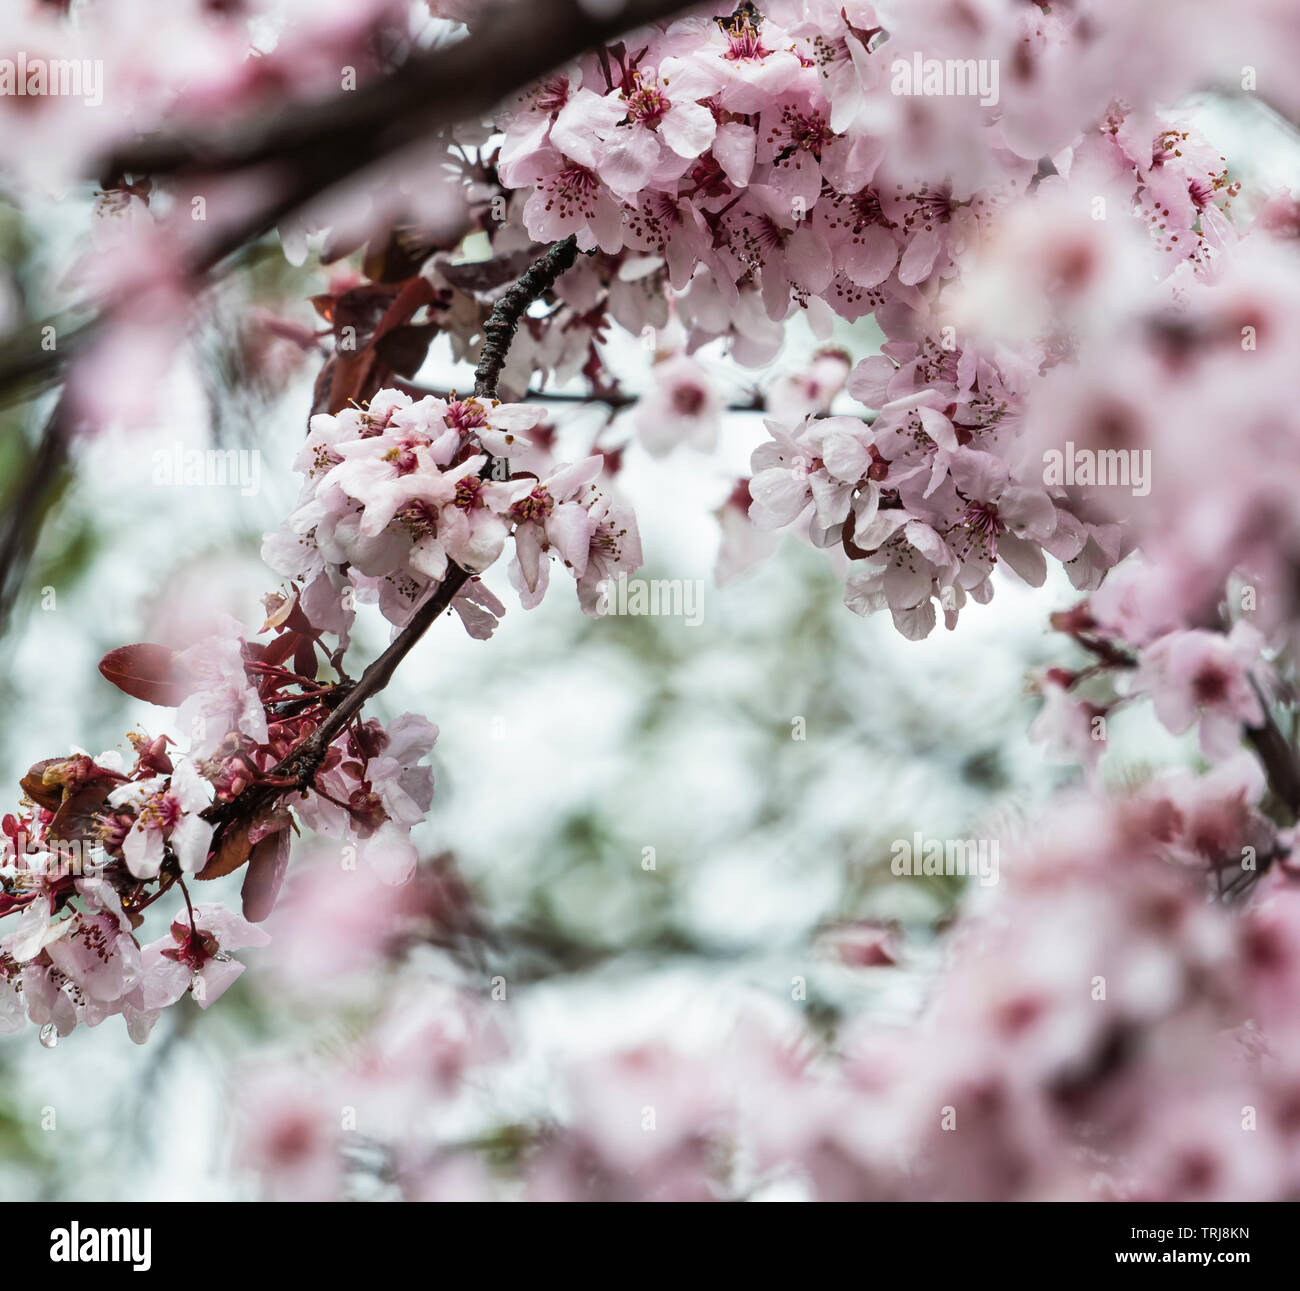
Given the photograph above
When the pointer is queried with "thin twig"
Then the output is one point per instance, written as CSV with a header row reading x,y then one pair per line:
x,y
298,768
27,502
608,399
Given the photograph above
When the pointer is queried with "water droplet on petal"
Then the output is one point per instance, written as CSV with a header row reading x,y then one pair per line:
x,y
49,1035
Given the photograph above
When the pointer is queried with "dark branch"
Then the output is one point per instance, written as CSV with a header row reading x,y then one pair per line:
x,y
499,331
510,48
27,502
301,764
1278,755
615,399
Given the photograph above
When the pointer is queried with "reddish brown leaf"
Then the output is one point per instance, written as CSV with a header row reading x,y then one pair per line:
x,y
324,306
266,867
362,308
396,257
147,672
403,350
481,277
299,622
49,796
77,816
50,782
304,659
277,651
232,851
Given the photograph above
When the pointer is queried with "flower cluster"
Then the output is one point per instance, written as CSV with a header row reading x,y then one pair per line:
x,y
1005,434
761,165
781,160
398,493
100,839
79,861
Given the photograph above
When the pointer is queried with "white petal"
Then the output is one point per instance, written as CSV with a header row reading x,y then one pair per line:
x,y
688,129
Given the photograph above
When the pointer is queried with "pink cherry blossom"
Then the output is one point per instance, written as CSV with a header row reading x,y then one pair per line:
x,y
166,816
1202,678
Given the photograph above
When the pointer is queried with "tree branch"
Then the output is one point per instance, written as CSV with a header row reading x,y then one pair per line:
x,y
27,502
300,764
1278,755
613,399
499,331
509,49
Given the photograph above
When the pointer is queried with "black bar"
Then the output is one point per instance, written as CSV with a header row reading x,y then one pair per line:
x,y
223,1242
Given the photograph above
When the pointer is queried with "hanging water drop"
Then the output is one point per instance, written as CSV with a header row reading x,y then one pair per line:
x,y
49,1035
